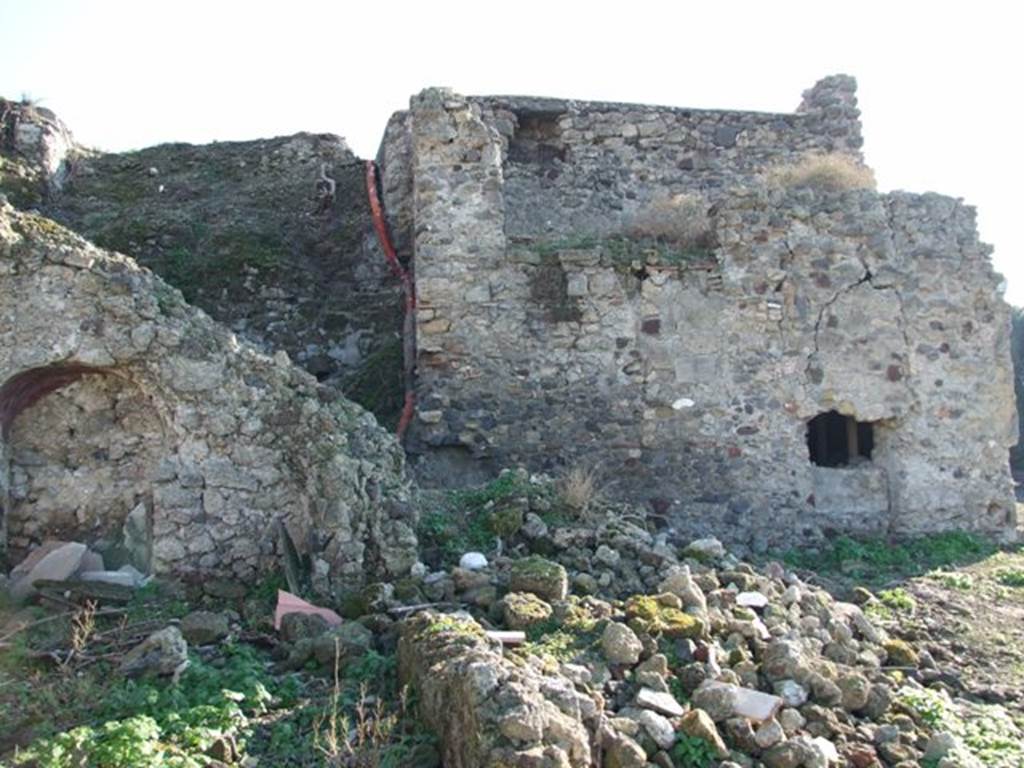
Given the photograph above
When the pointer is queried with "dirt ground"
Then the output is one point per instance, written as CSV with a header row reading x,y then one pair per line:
x,y
969,617
974,627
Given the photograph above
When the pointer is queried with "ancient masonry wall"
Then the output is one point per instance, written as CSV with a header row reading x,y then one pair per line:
x,y
550,332
271,237
125,409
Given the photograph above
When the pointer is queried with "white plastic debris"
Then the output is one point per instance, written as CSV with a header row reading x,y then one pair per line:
x,y
754,600
473,561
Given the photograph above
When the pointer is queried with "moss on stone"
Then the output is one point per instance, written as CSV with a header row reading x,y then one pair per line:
x,y
644,607
523,610
408,590
39,226
506,519
542,577
900,653
737,656
569,633
743,614
20,184
352,605
648,614
536,567
447,624
675,623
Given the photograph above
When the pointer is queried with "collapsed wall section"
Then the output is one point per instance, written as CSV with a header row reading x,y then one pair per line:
x,y
272,237
119,400
560,321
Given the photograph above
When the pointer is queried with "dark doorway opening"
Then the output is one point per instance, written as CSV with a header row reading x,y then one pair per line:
x,y
835,440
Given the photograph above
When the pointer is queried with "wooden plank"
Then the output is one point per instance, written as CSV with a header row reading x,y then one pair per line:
x,y
506,637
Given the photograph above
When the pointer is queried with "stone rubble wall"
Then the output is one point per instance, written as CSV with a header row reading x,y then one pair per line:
x,y
688,378
173,418
100,422
486,710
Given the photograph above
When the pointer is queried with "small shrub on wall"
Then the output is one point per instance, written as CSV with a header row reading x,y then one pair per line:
x,y
681,219
831,172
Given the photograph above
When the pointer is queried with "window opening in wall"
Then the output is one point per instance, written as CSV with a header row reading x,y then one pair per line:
x,y
537,139
835,440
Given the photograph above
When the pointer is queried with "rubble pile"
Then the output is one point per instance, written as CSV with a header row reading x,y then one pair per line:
x,y
694,658
594,641
69,564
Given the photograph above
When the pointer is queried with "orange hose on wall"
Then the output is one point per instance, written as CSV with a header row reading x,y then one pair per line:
x,y
409,291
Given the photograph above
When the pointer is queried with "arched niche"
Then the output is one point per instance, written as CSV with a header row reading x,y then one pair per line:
x,y
80,446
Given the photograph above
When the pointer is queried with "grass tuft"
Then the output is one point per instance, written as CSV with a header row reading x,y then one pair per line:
x,y
681,219
831,172
579,490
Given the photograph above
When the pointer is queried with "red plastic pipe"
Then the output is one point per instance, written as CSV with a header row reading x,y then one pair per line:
x,y
408,289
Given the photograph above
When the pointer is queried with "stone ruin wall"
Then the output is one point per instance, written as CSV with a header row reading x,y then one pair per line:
x,y
581,168
121,401
549,333
271,237
545,337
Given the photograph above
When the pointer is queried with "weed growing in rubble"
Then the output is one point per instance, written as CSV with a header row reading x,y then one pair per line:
x,y
953,580
693,752
578,490
1011,577
464,521
373,732
876,561
984,731
680,218
83,624
376,384
898,599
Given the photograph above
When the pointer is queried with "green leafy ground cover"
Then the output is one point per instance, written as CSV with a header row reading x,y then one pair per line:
x,y
85,713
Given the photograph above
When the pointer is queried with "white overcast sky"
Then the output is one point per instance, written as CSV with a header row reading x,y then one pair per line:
x,y
940,83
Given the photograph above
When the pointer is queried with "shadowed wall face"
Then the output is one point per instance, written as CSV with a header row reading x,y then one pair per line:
x,y
81,460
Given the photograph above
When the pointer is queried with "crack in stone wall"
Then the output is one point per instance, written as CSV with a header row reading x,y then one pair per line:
x,y
866,278
689,378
